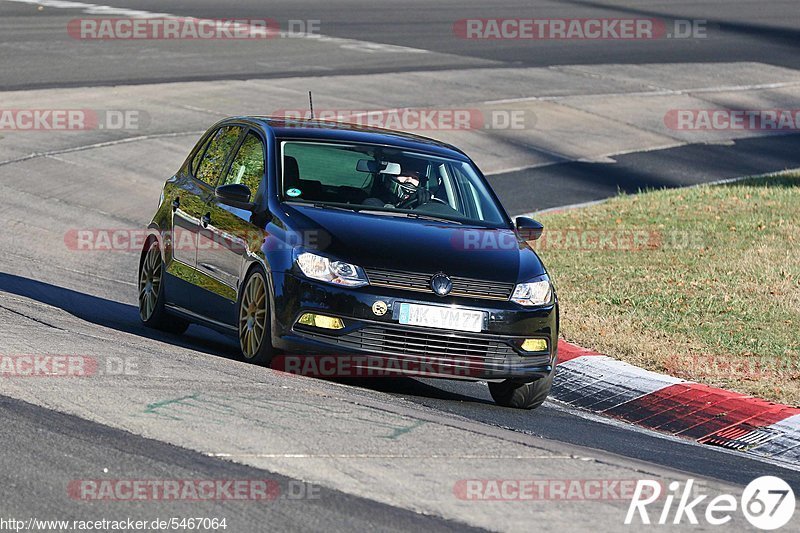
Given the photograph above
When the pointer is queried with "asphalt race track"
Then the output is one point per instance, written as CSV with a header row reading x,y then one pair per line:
x,y
380,454
738,31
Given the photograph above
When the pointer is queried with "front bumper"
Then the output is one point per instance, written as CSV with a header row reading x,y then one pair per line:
x,y
493,354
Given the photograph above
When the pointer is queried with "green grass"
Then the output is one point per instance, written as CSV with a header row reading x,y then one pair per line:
x,y
709,291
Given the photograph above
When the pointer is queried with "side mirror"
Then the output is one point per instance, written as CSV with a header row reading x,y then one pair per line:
x,y
235,195
529,229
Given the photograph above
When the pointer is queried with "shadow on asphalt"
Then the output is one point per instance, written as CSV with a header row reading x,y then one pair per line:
x,y
576,182
125,318
549,422
114,315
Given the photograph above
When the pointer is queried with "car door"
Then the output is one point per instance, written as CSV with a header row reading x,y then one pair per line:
x,y
227,233
189,198
182,192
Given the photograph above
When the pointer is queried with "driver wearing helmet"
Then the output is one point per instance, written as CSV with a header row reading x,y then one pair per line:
x,y
406,190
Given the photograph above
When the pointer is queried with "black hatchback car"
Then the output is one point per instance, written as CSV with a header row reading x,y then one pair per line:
x,y
314,239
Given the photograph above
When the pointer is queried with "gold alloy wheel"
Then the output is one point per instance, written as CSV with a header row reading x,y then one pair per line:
x,y
150,282
253,315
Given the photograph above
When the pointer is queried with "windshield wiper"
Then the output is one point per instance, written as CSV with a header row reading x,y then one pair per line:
x,y
432,217
366,210
320,205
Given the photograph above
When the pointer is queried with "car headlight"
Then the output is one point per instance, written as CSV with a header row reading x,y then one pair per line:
x,y
337,272
538,291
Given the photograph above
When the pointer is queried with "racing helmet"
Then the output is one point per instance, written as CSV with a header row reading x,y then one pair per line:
x,y
404,186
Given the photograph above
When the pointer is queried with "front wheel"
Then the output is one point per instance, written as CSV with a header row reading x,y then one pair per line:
x,y
521,395
254,324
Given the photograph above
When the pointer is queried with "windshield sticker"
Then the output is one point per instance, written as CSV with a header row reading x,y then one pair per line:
x,y
294,193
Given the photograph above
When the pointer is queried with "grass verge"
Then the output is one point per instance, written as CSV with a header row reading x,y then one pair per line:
x,y
701,283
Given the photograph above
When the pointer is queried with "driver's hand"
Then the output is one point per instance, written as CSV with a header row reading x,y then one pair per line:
x,y
423,196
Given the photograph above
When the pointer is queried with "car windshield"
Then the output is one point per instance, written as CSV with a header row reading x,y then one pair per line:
x,y
386,180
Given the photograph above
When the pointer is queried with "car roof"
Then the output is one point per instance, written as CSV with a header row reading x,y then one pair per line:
x,y
290,128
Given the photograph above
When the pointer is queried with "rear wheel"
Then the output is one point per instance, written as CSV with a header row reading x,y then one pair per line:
x,y
151,294
521,395
254,324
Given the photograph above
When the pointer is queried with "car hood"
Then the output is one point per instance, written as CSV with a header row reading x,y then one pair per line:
x,y
414,245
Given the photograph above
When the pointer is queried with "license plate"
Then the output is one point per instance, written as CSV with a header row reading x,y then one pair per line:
x,y
431,316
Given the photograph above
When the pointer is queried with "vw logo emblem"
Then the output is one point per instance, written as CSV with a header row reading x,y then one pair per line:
x,y
380,308
441,284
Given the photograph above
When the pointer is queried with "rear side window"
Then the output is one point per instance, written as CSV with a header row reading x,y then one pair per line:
x,y
248,167
199,155
219,147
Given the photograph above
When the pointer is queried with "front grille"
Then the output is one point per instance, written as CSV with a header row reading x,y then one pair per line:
x,y
405,341
472,288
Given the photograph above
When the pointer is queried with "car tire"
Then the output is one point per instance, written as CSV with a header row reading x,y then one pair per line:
x,y
253,319
521,395
151,293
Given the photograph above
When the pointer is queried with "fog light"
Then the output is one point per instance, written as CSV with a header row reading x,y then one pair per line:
x,y
534,345
321,321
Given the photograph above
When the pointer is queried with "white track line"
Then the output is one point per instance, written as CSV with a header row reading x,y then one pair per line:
x,y
655,92
98,9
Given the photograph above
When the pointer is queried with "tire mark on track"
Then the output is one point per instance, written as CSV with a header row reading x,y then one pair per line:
x,y
33,319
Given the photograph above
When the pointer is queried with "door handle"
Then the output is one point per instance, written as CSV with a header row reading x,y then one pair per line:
x,y
206,220
176,203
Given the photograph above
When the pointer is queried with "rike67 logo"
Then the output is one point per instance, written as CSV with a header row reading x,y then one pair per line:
x,y
767,503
